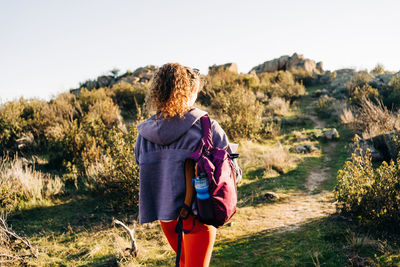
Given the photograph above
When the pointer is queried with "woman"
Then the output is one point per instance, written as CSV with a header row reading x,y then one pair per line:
x,y
163,143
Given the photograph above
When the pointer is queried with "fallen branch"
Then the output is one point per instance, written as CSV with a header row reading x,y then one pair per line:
x,y
131,232
9,233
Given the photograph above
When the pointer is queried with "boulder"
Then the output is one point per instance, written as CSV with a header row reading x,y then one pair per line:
x,y
365,145
290,63
341,77
386,145
331,134
232,67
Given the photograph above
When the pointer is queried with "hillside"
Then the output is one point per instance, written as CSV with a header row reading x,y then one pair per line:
x,y
297,122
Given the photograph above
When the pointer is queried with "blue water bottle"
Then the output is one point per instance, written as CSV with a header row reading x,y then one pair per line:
x,y
204,205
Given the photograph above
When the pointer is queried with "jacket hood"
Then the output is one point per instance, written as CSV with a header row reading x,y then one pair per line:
x,y
165,131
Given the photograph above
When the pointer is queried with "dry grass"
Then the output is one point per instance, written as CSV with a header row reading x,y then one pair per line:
x,y
19,181
279,159
374,119
347,117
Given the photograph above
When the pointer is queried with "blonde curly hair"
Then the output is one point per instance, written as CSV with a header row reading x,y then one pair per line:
x,y
172,87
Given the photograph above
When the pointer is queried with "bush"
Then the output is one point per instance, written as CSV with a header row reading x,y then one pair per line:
x,y
324,107
239,111
129,98
116,172
278,106
378,69
358,94
360,79
11,125
281,84
372,196
303,76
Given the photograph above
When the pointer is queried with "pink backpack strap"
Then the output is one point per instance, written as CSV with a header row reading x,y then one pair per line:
x,y
206,143
207,134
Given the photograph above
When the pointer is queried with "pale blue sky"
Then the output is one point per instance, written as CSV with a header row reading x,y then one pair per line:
x,y
49,46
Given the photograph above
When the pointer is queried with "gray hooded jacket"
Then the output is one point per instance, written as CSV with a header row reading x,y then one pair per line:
x,y
162,147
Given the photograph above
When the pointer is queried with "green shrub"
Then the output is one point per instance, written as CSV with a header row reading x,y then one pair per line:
x,y
359,94
303,76
239,111
115,172
324,107
281,84
378,69
129,98
360,79
11,124
87,98
372,196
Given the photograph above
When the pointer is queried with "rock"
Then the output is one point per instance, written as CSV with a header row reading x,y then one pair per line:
x,y
300,149
105,81
290,63
331,134
271,196
304,149
232,67
311,148
381,81
365,145
342,76
141,75
386,145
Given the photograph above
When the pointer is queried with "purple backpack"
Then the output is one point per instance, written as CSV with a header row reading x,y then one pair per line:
x,y
217,164
219,167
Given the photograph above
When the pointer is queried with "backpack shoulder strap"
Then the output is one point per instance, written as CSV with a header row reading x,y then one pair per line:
x,y
189,175
207,133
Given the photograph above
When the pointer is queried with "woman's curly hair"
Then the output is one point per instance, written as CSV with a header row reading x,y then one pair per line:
x,y
170,90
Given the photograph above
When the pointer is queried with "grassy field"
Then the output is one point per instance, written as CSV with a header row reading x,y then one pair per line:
x,y
301,228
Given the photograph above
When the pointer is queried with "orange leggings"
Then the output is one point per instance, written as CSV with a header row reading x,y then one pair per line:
x,y
197,246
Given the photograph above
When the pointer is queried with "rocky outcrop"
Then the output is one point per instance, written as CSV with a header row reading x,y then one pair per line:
x,y
290,63
340,78
141,75
232,67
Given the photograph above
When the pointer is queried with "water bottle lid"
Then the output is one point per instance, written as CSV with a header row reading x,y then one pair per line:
x,y
203,175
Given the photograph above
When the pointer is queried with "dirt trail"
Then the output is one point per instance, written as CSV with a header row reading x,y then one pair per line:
x,y
294,209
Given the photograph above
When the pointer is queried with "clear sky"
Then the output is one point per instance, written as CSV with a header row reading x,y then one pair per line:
x,y
49,46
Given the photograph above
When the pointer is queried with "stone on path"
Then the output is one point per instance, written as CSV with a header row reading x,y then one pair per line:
x,y
331,134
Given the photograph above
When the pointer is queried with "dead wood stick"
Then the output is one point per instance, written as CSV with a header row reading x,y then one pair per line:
x,y
4,227
131,232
